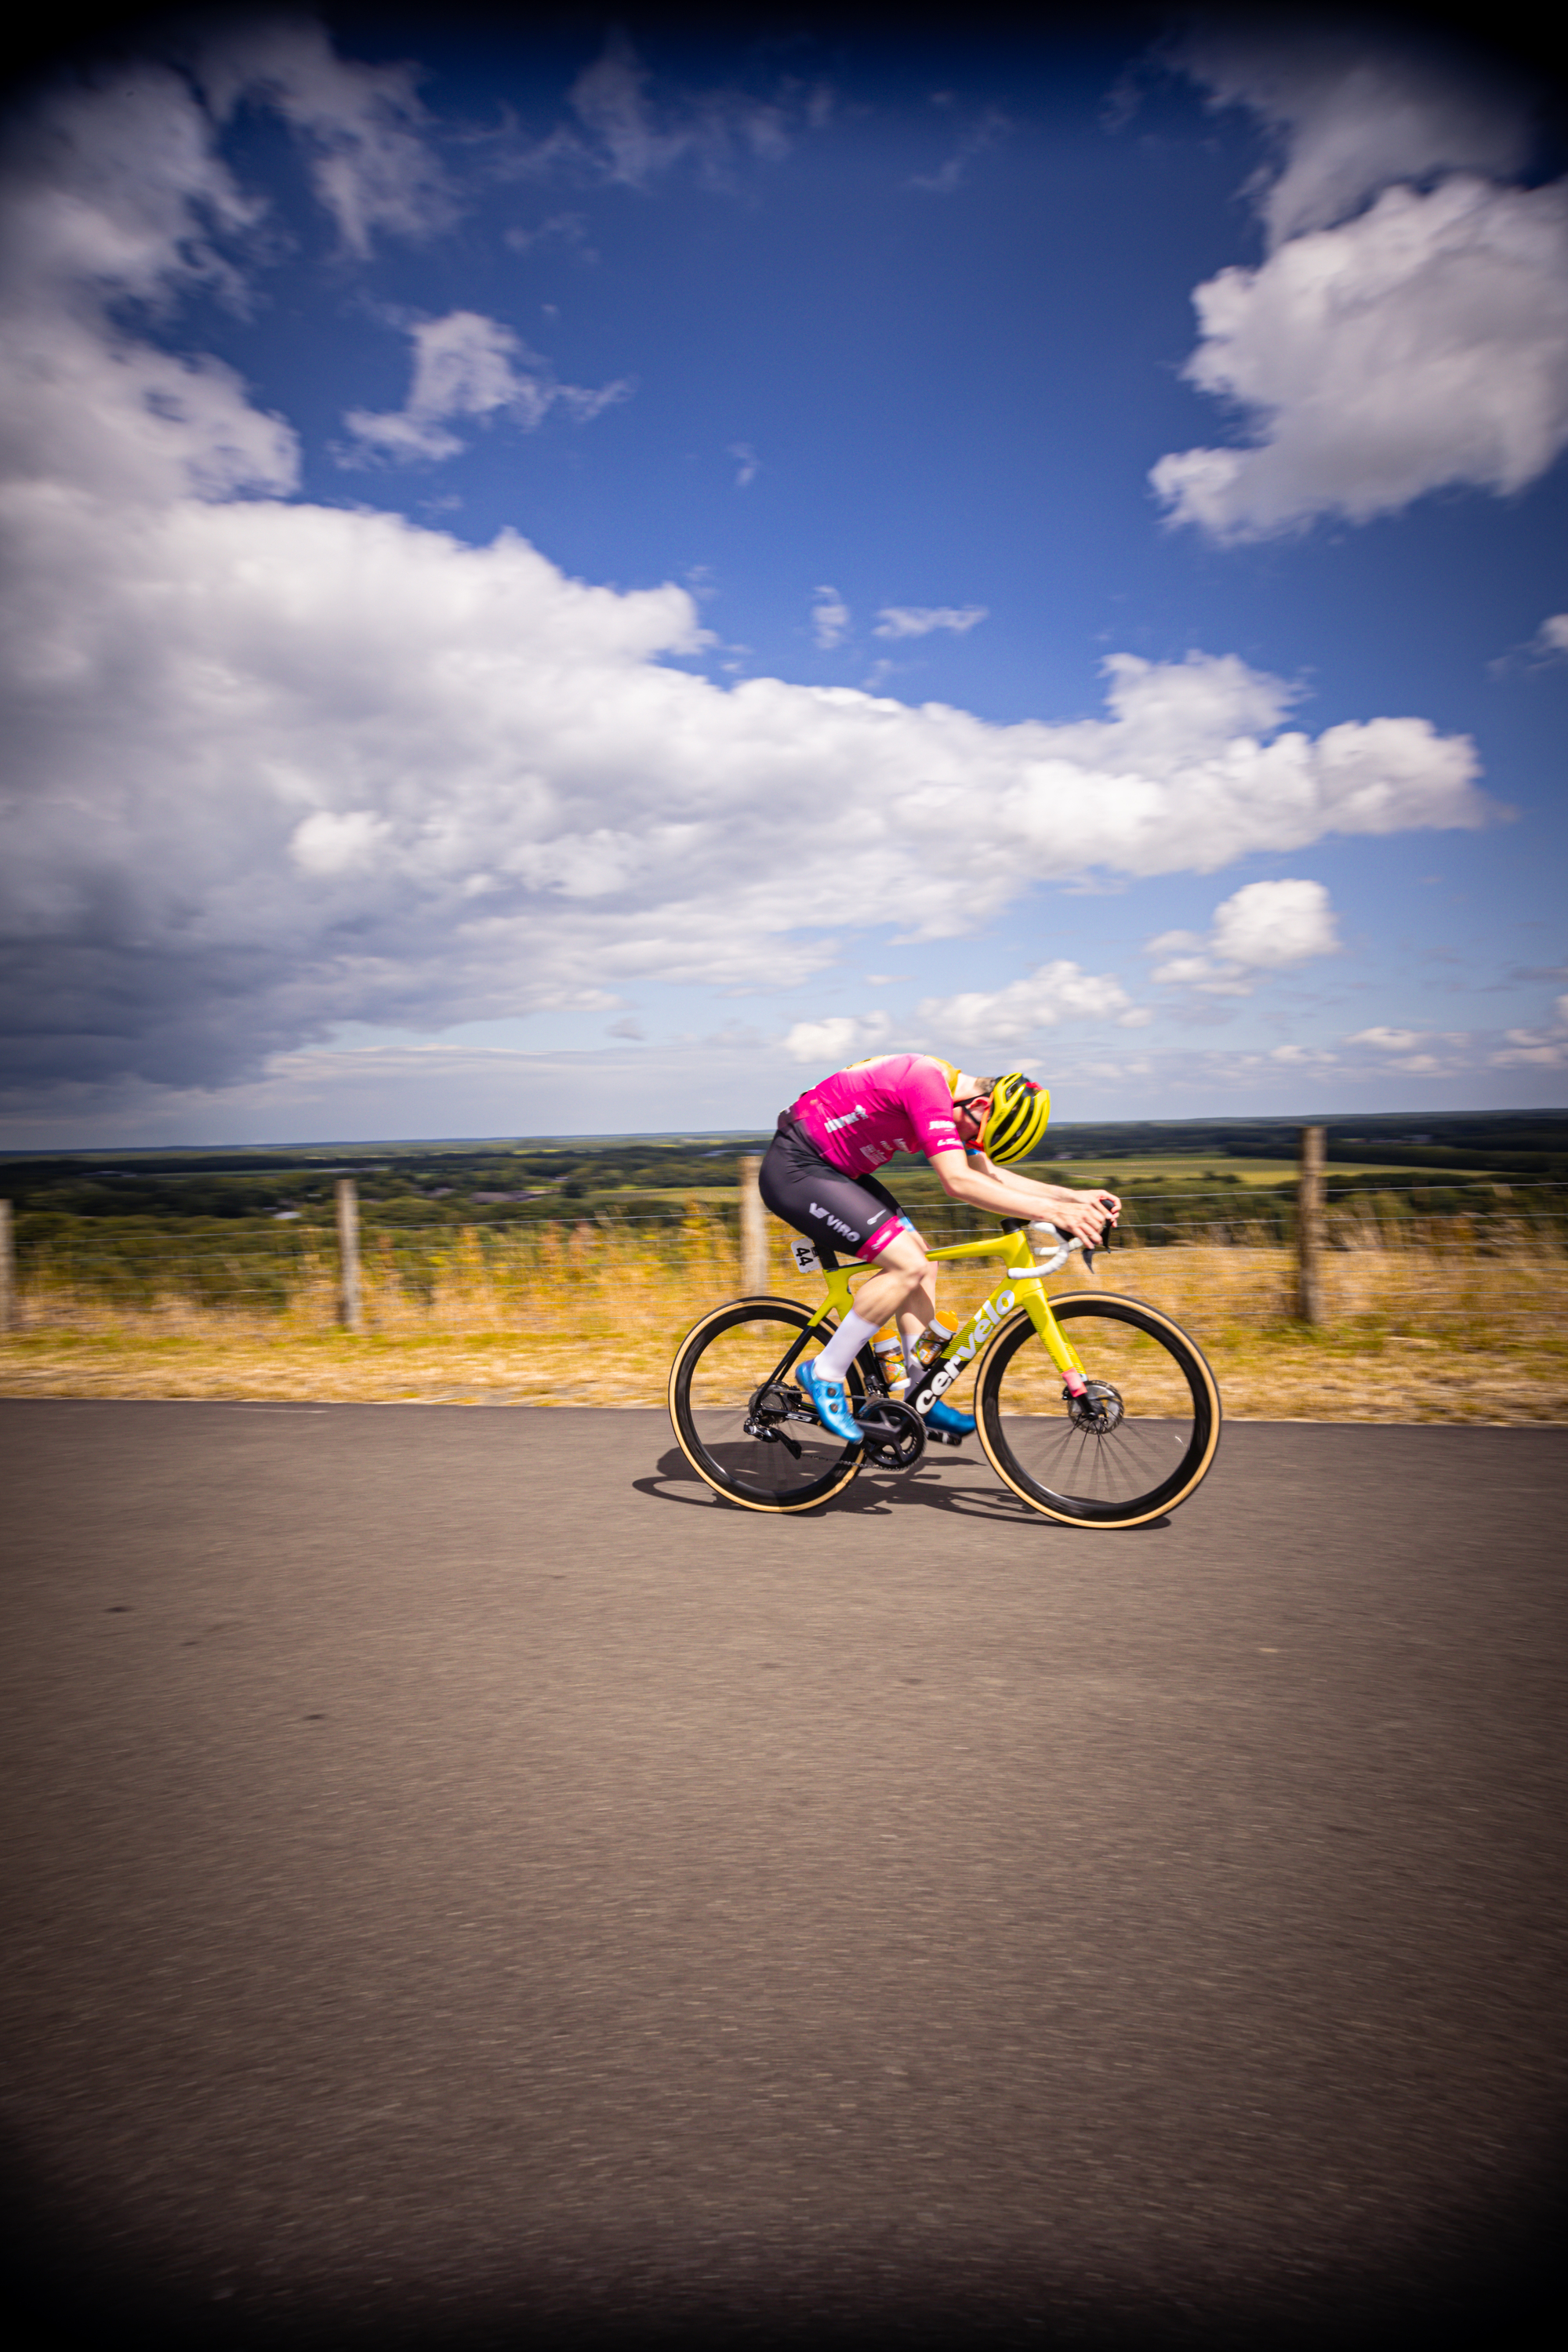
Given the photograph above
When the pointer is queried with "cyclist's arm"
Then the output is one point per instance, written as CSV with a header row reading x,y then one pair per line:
x,y
984,1185
1057,1196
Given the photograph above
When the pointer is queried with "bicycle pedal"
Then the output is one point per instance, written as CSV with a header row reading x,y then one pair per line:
x,y
944,1436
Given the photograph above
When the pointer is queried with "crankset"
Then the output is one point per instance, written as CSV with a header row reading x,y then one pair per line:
x,y
895,1433
1097,1410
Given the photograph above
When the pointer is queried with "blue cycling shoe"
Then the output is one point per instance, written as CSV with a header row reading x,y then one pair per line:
x,y
832,1405
948,1422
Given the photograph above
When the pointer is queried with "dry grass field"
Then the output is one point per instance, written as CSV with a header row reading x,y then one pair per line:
x,y
1421,1327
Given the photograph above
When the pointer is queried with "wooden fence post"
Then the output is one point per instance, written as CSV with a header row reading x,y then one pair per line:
x,y
7,1271
350,1313
754,1228
1310,1229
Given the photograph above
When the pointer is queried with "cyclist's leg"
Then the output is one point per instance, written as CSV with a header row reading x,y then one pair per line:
x,y
901,1260
852,1214
890,1247
903,1287
857,1213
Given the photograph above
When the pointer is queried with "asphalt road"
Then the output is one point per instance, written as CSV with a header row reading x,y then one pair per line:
x,y
468,1887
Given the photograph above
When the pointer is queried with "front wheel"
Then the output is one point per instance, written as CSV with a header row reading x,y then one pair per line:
x,y
1134,1447
742,1421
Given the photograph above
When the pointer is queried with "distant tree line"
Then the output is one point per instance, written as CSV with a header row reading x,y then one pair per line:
x,y
216,1198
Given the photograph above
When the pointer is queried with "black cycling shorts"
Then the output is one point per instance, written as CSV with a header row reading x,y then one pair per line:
x,y
855,1214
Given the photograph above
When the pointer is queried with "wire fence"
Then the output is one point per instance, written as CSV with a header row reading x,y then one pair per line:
x,y
532,1273
1422,1216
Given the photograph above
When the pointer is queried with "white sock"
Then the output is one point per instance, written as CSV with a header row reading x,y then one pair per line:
x,y
844,1345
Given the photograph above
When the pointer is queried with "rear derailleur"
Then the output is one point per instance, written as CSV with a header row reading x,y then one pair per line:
x,y
770,1408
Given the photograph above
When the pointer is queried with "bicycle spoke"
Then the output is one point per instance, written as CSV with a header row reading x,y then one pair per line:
x,y
779,1462
1099,1469
1140,1443
731,1407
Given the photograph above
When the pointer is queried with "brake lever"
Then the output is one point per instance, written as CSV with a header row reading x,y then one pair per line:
x,y
1065,1247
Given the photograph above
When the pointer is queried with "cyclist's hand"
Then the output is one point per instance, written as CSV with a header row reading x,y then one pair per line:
x,y
1087,1216
1079,1218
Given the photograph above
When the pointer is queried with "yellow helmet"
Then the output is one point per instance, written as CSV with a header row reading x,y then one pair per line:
x,y
1020,1110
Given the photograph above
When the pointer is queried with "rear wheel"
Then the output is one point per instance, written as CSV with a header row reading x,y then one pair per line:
x,y
753,1437
1134,1447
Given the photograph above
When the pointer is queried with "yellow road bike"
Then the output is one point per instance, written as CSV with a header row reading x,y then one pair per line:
x,y
1108,1427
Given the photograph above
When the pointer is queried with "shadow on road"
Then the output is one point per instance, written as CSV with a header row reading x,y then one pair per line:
x,y
874,1495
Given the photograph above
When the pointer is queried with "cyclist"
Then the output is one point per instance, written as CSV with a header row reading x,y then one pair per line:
x,y
817,1177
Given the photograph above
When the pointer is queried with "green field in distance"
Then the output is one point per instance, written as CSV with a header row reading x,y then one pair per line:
x,y
1118,1171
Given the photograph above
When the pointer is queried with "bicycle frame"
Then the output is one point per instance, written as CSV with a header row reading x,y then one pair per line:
x,y
1021,1286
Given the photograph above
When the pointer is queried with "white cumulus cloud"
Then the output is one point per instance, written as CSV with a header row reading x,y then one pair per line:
x,y
1538,1054
1545,1049
279,766
1378,352
919,620
1266,927
361,125
1269,926
1388,1041
109,198
1353,113
630,129
1404,1049
467,365
832,1044
635,139
276,766
330,843
829,619
1005,1018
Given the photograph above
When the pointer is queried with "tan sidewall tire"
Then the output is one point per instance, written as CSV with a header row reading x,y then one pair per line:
x,y
788,1310
1141,1313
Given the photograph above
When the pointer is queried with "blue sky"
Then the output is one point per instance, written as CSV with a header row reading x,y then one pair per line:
x,y
582,584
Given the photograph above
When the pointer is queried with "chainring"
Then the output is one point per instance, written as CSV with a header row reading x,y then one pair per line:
x,y
895,1433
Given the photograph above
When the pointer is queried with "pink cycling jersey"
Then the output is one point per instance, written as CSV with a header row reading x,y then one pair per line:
x,y
900,1102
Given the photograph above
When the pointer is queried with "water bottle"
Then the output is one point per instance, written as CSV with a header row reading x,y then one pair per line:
x,y
888,1351
929,1344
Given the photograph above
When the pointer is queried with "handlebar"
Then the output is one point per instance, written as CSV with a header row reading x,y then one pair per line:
x,y
1042,1235
1064,1247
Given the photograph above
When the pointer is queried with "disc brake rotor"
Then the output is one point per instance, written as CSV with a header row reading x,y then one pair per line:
x,y
1097,1410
